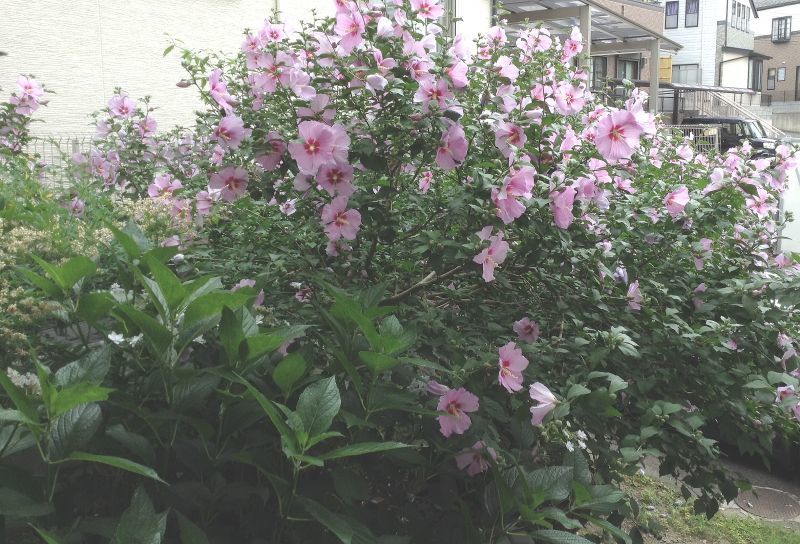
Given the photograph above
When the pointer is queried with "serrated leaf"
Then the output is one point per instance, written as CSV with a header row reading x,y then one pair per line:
x,y
18,397
73,429
318,405
91,368
288,371
378,362
75,395
140,524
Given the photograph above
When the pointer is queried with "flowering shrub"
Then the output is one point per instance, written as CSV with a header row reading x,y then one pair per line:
x,y
457,263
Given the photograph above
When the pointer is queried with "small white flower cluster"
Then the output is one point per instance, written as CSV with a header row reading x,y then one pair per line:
x,y
28,382
119,339
578,436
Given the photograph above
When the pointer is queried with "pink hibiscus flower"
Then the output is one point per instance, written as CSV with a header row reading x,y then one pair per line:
x,y
274,155
457,73
561,205
569,99
433,91
452,148
527,330
231,182
427,9
163,185
547,402
318,144
456,403
350,27
492,256
617,135
219,91
339,222
474,460
122,105
511,363
231,132
336,179
508,207
677,200
507,135
634,296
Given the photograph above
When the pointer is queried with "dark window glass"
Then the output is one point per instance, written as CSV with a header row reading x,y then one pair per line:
x,y
771,79
692,11
599,72
671,15
781,29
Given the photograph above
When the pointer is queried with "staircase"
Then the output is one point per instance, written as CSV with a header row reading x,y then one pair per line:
x,y
714,104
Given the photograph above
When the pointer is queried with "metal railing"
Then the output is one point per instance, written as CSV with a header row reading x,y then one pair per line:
x,y
703,138
55,153
714,104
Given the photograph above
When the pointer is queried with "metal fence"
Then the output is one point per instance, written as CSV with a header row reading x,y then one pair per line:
x,y
55,154
703,138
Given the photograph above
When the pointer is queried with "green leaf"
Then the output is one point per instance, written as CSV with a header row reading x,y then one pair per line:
x,y
378,362
156,334
551,536
132,239
15,416
75,269
347,530
140,524
363,448
554,483
190,533
289,371
318,405
577,390
75,395
615,382
92,307
133,442
168,50
47,537
91,368
611,528
73,429
18,397
230,334
171,287
192,392
50,288
14,504
117,462
272,412
580,466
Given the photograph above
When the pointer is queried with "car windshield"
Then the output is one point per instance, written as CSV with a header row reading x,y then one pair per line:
x,y
752,129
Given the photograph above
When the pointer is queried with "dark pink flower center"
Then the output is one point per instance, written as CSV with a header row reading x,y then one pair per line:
x,y
312,146
454,409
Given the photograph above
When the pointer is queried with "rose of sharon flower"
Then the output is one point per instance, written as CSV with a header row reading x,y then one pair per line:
x,y
527,330
473,460
456,403
163,185
427,9
634,296
677,200
231,132
547,402
511,363
617,135
452,148
561,205
339,222
231,182
319,144
492,256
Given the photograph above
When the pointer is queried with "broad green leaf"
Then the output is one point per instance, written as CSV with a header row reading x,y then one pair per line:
x,y
92,307
117,462
378,362
197,288
75,269
133,442
18,397
14,439
190,533
47,537
577,390
554,483
131,239
261,344
272,412
14,504
318,405
156,334
15,416
288,371
580,466
50,288
91,368
346,529
618,533
52,271
362,448
170,286
74,395
140,524
551,536
73,429
192,392
230,334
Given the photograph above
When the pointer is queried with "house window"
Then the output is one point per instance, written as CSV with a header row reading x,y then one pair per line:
x,y
746,19
627,69
781,29
686,73
599,72
692,9
797,83
782,73
771,79
671,15
756,73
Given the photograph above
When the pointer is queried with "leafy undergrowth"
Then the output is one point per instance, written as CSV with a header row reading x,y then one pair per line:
x,y
673,521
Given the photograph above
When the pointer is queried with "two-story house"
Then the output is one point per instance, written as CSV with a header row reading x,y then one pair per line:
x,y
778,39
718,42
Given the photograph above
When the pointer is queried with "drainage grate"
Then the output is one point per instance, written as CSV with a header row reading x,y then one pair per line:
x,y
769,503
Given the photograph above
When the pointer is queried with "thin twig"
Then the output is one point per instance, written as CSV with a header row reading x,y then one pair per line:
x,y
427,280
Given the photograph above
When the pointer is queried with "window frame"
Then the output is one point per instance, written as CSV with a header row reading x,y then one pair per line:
x,y
781,73
772,77
667,16
687,13
781,29
595,71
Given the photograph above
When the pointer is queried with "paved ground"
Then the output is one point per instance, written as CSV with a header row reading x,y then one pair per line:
x,y
773,499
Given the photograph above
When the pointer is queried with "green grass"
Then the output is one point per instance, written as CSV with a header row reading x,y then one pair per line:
x,y
681,525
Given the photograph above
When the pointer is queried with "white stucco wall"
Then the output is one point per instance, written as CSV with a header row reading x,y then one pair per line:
x,y
735,70
791,203
763,25
83,49
699,43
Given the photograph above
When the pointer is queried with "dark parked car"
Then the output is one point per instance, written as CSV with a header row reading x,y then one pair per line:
x,y
737,129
